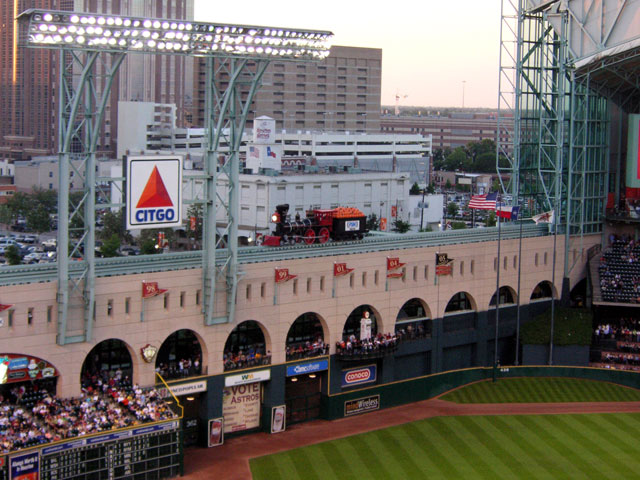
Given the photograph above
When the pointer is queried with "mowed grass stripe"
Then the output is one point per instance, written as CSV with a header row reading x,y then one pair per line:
x,y
522,447
490,447
598,447
567,444
537,390
535,428
421,436
455,431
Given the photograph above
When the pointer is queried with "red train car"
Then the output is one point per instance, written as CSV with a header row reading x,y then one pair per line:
x,y
342,223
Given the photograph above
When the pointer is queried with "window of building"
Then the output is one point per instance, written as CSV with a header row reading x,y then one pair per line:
x,y
182,297
322,283
415,274
536,260
166,301
49,314
351,281
198,295
10,317
504,263
295,286
364,279
495,264
376,277
30,316
545,258
462,268
426,272
109,307
263,289
472,266
309,285
127,305
248,292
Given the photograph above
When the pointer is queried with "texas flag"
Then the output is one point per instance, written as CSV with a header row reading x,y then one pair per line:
x,y
271,153
507,211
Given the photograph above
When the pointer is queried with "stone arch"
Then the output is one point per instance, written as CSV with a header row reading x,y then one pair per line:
x,y
543,291
182,344
507,296
247,345
461,302
414,319
109,358
352,324
307,337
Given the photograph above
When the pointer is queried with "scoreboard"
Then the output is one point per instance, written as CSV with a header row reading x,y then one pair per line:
x,y
151,452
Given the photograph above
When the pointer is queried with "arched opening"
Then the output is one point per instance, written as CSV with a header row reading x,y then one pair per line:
x,y
507,296
109,360
543,290
352,327
413,320
460,302
246,347
180,355
306,338
578,294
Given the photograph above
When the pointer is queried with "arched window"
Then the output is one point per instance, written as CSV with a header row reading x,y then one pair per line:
x,y
245,347
459,302
306,338
352,325
110,359
413,320
542,290
180,355
506,297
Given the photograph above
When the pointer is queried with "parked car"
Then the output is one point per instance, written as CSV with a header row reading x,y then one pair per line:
x,y
50,244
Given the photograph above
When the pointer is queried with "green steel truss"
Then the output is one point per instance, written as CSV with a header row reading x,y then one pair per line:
x,y
558,150
231,86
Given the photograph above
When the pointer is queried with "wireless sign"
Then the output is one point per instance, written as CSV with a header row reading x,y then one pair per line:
x,y
154,192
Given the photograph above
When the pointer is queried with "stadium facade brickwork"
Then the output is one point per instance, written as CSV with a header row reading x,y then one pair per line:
x,y
458,340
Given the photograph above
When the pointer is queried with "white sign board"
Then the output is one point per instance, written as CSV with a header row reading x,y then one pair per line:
x,y
154,191
187,388
241,407
250,377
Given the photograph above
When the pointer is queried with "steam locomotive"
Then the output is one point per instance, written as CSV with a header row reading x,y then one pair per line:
x,y
342,223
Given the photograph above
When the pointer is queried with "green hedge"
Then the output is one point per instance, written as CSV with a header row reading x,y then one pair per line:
x,y
572,326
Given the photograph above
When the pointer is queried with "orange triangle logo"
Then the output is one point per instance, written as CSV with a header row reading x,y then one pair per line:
x,y
155,193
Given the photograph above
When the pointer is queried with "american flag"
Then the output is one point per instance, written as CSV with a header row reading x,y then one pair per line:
x,y
484,202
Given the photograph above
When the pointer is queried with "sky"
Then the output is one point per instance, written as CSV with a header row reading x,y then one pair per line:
x,y
433,52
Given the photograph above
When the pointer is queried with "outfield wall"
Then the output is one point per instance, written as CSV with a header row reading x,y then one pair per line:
x,y
409,391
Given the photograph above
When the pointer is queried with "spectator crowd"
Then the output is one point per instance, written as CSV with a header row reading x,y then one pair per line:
x,y
185,367
619,344
30,416
380,344
619,270
297,351
251,356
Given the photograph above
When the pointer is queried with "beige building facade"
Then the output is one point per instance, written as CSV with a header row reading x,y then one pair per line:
x,y
29,326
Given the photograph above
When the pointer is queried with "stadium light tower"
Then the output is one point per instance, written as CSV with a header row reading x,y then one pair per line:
x,y
92,48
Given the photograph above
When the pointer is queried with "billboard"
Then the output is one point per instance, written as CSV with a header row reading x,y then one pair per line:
x,y
358,376
154,191
241,406
633,152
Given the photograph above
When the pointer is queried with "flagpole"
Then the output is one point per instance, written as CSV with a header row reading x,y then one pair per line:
x,y
495,347
518,294
553,282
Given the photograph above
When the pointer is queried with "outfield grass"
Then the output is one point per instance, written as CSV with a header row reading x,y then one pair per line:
x,y
542,390
593,446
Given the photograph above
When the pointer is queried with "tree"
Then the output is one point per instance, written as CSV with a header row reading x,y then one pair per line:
x,y
401,226
452,209
195,210
19,204
491,219
38,218
110,246
372,222
431,188
148,247
415,189
458,225
12,255
113,224
448,185
495,186
458,160
5,214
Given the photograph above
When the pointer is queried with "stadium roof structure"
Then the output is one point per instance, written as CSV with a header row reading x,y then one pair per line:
x,y
603,39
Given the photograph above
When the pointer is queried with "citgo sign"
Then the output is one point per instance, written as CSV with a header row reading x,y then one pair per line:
x,y
154,191
359,376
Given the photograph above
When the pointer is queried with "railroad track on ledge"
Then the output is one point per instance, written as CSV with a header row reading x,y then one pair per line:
x,y
108,267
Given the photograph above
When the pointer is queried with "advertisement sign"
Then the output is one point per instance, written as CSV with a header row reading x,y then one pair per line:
x,y
151,289
17,368
25,467
359,376
393,266
188,388
216,432
264,130
241,407
633,152
250,377
361,405
278,419
309,367
383,224
154,191
352,225
394,211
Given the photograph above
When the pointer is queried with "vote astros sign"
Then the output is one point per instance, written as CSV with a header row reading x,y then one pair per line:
x,y
154,191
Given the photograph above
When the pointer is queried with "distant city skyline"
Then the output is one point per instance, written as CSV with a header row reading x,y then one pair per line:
x,y
433,53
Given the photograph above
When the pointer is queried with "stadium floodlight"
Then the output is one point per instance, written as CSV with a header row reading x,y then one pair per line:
x,y
115,33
